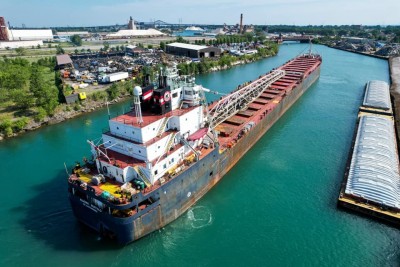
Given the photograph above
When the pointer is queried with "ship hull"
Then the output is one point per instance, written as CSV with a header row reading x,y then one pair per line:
x,y
180,193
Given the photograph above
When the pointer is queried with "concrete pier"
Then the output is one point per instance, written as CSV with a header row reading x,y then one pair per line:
x,y
394,68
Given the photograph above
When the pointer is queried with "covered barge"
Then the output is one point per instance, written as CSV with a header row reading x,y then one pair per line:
x,y
372,182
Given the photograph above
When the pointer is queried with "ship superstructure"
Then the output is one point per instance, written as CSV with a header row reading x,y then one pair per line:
x,y
157,160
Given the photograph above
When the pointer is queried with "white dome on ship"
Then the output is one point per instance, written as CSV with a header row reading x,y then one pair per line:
x,y
137,91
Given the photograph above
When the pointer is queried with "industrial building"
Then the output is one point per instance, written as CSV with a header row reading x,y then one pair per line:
x,y
192,51
63,61
134,33
22,37
68,35
29,35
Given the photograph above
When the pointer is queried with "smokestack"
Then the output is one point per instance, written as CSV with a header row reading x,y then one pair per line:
x,y
3,30
241,24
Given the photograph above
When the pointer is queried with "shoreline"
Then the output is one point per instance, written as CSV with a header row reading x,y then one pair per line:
x,y
358,52
394,74
63,116
96,105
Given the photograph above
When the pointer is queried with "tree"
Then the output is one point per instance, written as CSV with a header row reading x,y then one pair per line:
x,y
59,50
22,99
76,51
38,46
113,91
76,40
106,46
162,45
20,51
45,94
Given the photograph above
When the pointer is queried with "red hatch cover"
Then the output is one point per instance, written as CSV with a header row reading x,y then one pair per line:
x,y
198,134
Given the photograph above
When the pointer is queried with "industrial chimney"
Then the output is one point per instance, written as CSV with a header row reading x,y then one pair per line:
x,y
3,30
131,24
241,24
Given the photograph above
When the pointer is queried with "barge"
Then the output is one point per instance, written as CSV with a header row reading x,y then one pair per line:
x,y
371,184
156,161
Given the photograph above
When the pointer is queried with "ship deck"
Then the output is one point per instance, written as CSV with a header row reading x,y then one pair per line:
x,y
130,118
296,70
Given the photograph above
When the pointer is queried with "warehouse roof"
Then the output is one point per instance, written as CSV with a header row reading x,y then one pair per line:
x,y
122,33
73,33
188,46
377,95
63,59
31,34
374,167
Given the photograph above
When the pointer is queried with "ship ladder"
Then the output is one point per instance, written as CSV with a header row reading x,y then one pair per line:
x,y
143,175
170,142
162,127
167,147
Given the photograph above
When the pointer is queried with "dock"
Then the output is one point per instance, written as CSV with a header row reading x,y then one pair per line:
x,y
394,67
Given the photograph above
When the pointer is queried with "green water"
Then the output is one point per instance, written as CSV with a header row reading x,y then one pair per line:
x,y
276,207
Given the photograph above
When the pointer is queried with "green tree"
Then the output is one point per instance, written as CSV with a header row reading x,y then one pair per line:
x,y
59,50
106,45
162,45
76,40
22,98
113,91
20,51
45,94
76,51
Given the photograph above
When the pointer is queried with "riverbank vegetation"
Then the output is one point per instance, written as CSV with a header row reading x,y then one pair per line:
x,y
27,90
32,93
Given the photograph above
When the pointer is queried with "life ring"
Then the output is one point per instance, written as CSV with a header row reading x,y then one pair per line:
x,y
167,96
104,169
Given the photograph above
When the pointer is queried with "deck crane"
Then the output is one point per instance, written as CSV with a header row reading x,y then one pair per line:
x,y
236,101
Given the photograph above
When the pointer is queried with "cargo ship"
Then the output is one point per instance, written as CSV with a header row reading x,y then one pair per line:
x,y
157,160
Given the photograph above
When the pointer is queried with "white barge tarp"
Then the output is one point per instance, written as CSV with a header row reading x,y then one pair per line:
x,y
377,95
374,168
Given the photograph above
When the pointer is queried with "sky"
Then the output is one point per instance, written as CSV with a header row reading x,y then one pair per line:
x,y
51,13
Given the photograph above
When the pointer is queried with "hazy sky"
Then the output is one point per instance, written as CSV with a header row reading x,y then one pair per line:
x,y
38,13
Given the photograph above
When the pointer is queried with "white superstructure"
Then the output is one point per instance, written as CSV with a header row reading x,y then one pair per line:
x,y
143,145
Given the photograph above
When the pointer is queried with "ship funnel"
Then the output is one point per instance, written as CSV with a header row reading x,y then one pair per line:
x,y
137,92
